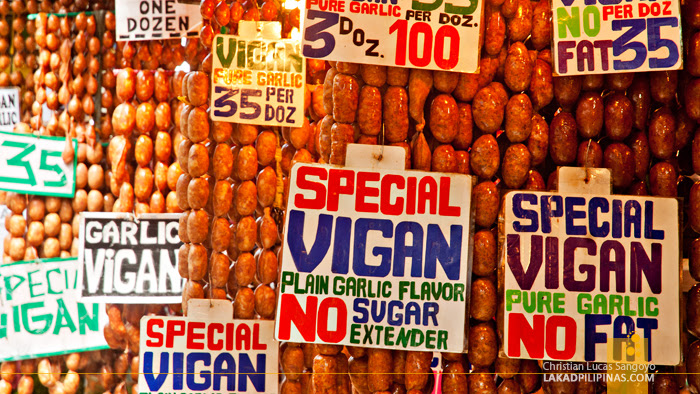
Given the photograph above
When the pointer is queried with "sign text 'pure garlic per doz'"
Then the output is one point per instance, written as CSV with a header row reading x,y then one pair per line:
x,y
130,260
376,258
588,276
257,81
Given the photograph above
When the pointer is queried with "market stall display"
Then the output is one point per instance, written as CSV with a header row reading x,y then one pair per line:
x,y
205,124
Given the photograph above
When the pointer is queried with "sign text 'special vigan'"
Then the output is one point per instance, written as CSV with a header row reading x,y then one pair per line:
x,y
376,258
207,352
587,277
130,260
41,313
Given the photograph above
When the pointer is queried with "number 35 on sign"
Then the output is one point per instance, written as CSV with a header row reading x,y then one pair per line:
x,y
435,35
33,165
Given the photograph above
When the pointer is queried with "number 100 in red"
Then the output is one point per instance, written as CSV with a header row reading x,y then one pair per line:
x,y
433,47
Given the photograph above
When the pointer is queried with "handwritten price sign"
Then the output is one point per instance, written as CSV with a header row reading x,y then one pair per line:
x,y
612,37
403,33
33,165
257,81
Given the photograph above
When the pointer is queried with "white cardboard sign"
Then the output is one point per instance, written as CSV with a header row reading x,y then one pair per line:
x,y
208,352
588,276
33,165
9,108
258,81
435,35
130,260
376,258
42,314
608,37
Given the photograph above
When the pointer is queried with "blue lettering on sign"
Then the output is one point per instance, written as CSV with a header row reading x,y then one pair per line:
x,y
198,377
435,248
315,31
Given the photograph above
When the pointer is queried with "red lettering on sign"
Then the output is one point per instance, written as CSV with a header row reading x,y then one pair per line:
x,y
291,312
364,191
256,338
569,325
243,337
193,336
427,193
212,343
534,338
385,202
445,208
319,201
520,330
155,337
174,328
336,188
341,320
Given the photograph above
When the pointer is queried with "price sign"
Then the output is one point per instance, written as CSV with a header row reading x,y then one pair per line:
x,y
41,313
258,81
610,37
139,20
9,108
33,165
403,33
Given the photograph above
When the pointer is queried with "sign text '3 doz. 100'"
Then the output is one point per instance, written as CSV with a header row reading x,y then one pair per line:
x,y
257,81
437,35
375,258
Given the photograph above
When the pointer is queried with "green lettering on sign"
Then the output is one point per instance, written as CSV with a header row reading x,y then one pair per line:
x,y
46,318
3,325
17,161
458,10
85,320
44,165
225,60
61,316
9,288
